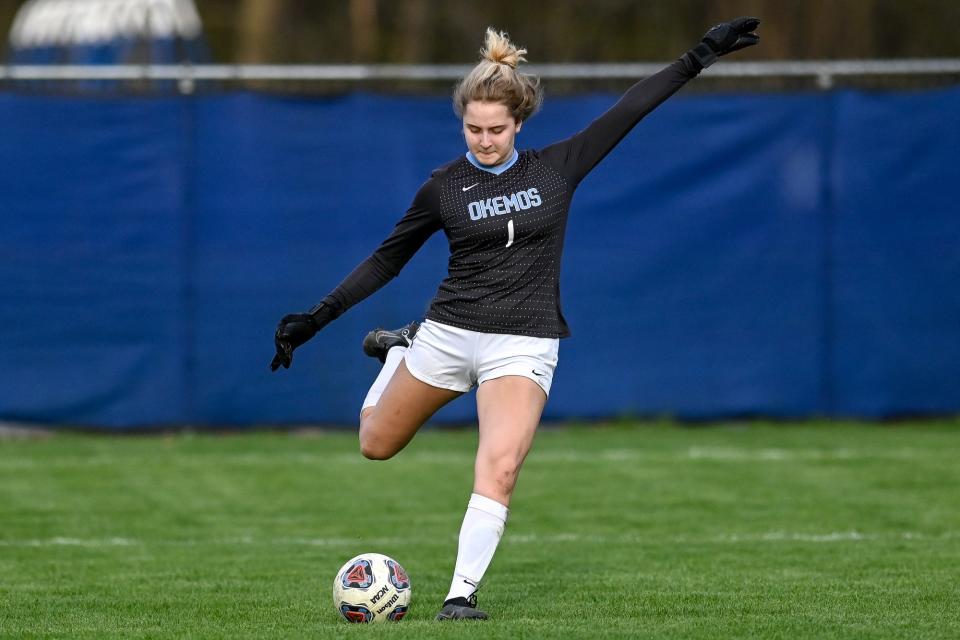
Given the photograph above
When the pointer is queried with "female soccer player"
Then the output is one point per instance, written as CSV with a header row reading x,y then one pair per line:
x,y
496,320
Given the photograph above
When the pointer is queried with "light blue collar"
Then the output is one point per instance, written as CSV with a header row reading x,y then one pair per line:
x,y
497,170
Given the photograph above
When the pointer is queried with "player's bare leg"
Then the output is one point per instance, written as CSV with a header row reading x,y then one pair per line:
x,y
509,409
406,404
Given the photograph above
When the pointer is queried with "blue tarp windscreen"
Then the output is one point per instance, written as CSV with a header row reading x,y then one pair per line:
x,y
773,255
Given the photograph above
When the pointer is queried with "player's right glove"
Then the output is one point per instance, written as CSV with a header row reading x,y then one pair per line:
x,y
725,38
296,328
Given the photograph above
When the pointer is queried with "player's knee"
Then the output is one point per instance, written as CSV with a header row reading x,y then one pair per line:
x,y
374,448
506,480
502,474
371,450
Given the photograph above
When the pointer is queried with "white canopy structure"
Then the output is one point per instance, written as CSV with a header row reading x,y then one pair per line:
x,y
48,31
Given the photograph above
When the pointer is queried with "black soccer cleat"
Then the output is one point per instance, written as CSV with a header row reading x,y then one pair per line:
x,y
379,341
461,609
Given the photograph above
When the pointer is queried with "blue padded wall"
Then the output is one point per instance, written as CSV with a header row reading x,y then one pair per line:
x,y
774,255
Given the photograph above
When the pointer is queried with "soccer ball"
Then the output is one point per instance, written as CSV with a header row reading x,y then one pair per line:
x,y
371,587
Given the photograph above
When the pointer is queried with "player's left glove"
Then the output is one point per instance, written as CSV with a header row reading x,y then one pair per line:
x,y
294,329
725,38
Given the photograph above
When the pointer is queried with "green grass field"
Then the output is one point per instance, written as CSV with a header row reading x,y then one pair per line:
x,y
729,531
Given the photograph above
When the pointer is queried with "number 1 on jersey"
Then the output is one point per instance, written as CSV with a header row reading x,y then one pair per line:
x,y
509,233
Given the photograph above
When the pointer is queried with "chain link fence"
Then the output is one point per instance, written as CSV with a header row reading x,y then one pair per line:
x,y
424,46
559,78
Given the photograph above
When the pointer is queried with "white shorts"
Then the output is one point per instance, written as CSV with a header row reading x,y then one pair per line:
x,y
459,359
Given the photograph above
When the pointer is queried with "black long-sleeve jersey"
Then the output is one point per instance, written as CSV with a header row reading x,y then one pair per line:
x,y
506,230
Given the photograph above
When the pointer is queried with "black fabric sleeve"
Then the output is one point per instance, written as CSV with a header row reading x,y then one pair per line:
x,y
420,222
576,156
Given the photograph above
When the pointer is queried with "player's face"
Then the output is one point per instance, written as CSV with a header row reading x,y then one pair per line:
x,y
489,130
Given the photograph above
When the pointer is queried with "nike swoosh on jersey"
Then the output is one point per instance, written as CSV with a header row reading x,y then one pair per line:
x,y
470,187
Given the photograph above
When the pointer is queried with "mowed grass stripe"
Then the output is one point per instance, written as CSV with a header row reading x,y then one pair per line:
x,y
555,538
720,454
749,530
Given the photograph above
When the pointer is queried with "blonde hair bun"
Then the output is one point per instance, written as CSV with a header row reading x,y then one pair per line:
x,y
498,48
496,79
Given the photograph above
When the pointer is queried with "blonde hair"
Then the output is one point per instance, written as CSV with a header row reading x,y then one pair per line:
x,y
496,79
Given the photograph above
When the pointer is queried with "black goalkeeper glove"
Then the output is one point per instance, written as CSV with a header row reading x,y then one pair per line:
x,y
725,38
295,329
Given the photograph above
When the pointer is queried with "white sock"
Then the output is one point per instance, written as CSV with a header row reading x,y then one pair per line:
x,y
394,356
479,535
